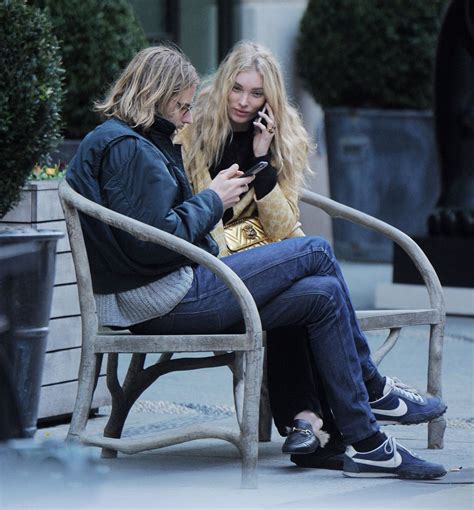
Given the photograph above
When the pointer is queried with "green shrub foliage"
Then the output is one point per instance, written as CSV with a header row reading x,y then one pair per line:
x,y
369,53
97,39
30,95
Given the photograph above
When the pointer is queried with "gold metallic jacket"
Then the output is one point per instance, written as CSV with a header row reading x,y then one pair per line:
x,y
278,210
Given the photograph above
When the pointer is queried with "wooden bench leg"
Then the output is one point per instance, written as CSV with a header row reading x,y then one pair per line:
x,y
265,415
436,429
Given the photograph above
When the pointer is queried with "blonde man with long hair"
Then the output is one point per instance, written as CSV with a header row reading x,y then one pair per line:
x,y
131,165
147,87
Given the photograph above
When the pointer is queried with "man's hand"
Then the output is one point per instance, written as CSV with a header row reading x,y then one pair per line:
x,y
229,185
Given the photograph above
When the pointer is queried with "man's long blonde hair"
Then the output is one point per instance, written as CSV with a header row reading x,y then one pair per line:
x,y
154,77
211,126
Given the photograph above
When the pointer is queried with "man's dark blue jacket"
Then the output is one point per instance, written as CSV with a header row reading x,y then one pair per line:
x,y
141,177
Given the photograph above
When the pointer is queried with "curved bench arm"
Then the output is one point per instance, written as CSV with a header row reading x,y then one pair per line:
x,y
146,232
338,210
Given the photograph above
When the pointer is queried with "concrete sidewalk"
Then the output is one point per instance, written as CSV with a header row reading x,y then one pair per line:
x,y
206,474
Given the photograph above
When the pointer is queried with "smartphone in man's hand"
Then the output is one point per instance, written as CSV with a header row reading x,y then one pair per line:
x,y
255,169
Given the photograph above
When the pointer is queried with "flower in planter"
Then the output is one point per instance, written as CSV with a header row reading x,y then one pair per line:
x,y
46,172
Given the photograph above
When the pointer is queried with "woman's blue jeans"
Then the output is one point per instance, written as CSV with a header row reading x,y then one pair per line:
x,y
294,282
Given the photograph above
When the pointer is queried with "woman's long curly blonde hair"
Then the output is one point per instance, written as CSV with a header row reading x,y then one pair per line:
x,y
211,126
154,77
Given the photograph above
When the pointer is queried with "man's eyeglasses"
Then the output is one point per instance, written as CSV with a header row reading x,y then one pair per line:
x,y
184,108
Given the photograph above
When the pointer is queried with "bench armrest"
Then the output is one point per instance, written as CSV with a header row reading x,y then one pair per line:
x,y
338,210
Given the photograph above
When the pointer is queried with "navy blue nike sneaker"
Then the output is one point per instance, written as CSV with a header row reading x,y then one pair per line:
x,y
390,460
403,405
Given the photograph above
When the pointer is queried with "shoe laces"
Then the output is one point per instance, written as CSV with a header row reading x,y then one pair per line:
x,y
392,445
404,389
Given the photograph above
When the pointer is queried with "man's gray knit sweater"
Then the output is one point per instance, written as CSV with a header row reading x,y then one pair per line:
x,y
158,298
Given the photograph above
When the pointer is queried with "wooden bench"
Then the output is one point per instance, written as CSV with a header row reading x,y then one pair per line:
x,y
241,352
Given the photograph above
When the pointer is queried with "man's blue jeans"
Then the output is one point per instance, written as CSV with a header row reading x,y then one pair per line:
x,y
294,282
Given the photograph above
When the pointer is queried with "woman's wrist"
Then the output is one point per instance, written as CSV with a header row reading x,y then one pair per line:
x,y
265,157
264,182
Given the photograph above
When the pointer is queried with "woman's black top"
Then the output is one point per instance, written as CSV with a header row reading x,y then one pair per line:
x,y
239,149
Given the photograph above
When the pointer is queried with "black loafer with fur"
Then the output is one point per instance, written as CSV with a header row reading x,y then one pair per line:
x,y
329,457
301,439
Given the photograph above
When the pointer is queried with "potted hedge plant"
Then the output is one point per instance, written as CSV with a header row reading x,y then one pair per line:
x,y
369,63
30,96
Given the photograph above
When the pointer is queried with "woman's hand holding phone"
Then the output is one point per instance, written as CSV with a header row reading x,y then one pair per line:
x,y
264,132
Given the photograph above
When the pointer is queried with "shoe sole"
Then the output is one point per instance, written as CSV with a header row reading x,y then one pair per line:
x,y
410,422
403,476
369,475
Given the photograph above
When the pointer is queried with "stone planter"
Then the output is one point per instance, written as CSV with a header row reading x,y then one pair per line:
x,y
383,163
40,208
25,299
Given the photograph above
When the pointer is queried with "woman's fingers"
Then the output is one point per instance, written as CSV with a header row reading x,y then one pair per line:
x,y
266,114
259,124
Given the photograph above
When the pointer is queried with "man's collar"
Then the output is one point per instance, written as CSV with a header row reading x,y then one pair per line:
x,y
162,126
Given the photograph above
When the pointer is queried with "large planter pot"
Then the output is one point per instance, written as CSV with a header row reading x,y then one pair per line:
x,y
40,208
26,293
384,163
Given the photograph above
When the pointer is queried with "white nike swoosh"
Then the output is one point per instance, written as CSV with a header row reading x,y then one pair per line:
x,y
400,410
394,462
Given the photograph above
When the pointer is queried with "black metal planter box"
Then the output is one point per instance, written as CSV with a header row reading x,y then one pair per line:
x,y
26,292
40,209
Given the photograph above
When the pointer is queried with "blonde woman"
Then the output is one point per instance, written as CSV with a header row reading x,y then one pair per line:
x,y
244,117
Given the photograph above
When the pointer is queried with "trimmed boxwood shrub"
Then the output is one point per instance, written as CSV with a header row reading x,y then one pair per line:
x,y
97,39
369,53
30,95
